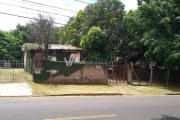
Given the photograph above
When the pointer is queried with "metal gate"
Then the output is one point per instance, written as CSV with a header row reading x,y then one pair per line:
x,y
117,74
12,71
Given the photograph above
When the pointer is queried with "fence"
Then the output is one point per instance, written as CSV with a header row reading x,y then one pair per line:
x,y
159,76
12,71
11,64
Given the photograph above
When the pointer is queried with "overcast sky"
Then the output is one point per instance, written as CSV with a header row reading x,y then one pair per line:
x,y
8,22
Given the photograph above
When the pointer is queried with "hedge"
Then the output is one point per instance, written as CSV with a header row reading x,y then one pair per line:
x,y
61,68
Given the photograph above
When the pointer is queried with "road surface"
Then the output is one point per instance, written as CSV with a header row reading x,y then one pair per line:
x,y
91,108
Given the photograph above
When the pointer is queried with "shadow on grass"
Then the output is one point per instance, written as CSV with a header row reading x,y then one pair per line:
x,y
165,117
174,90
158,87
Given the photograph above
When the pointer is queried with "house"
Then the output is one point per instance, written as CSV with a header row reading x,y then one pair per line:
x,y
57,52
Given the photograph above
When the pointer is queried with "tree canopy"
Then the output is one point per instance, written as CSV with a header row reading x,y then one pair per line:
x,y
10,47
156,27
105,16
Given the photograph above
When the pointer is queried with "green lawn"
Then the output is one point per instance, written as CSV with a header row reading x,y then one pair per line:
x,y
48,89
14,76
155,89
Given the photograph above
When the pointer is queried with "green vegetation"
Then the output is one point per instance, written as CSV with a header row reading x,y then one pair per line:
x,y
47,89
98,29
156,90
94,40
155,27
30,46
10,47
105,31
61,68
14,76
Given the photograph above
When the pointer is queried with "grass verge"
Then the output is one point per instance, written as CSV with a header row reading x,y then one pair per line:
x,y
48,89
156,90
146,89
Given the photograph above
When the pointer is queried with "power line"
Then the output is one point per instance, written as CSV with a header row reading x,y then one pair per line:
x,y
34,9
36,14
48,6
82,1
24,17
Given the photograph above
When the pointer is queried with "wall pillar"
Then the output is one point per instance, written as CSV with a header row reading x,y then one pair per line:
x,y
129,74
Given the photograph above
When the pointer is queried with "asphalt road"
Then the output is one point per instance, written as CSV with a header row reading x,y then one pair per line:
x,y
91,108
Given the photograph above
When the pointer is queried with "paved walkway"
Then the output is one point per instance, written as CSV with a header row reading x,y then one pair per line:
x,y
15,89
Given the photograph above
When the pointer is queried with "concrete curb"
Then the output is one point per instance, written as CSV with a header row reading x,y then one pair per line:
x,y
173,94
76,94
89,94
83,94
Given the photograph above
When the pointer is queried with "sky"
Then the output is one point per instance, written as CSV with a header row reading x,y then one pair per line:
x,y
21,8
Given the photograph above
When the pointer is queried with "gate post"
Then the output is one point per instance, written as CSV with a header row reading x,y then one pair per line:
x,y
129,74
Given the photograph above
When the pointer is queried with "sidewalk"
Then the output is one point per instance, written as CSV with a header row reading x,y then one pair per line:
x,y
15,89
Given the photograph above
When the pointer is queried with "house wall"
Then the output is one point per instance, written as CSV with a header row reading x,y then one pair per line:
x,y
25,58
89,74
61,54
28,55
77,58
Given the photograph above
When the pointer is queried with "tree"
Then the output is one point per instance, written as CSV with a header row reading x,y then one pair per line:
x,y
10,47
42,32
108,15
71,33
95,41
21,33
57,34
156,26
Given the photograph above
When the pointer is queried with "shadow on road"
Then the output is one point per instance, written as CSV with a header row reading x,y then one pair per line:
x,y
165,117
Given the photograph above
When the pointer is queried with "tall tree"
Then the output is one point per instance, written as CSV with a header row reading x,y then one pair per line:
x,y
42,32
108,15
95,41
71,33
